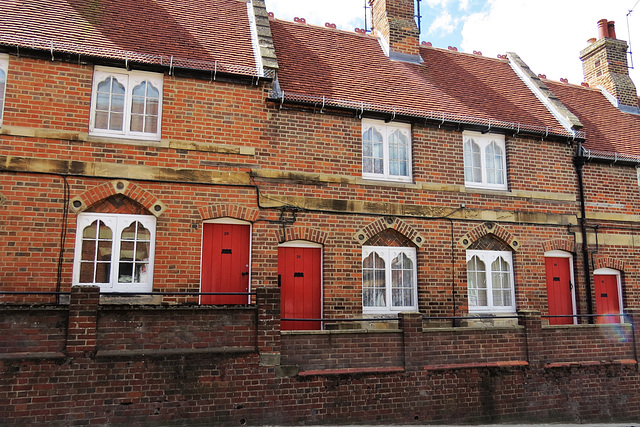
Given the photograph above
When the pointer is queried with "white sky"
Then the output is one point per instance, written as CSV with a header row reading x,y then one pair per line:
x,y
547,34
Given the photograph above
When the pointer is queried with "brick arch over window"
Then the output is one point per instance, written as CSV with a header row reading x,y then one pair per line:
x,y
229,210
608,262
120,187
382,224
559,245
489,229
302,233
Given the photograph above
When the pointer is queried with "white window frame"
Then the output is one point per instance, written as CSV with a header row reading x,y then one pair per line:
x,y
563,254
4,68
488,257
388,253
129,79
484,141
612,272
117,223
386,129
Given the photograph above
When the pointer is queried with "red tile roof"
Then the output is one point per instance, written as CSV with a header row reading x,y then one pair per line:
x,y
608,129
145,30
348,66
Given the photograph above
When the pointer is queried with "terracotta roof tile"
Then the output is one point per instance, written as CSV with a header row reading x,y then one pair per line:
x,y
199,30
608,129
342,65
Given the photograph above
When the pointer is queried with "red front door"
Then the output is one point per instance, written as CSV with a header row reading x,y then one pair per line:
x,y
299,276
559,296
607,297
225,263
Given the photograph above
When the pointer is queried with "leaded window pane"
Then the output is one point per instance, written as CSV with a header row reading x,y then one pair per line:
x,y
495,164
476,282
110,102
144,108
374,281
501,282
398,154
96,251
134,253
472,162
402,281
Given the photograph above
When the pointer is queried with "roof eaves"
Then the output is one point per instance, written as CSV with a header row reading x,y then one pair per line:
x,y
609,157
566,118
169,62
443,118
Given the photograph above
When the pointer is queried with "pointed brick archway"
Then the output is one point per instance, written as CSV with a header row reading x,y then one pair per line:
x,y
109,189
486,229
382,224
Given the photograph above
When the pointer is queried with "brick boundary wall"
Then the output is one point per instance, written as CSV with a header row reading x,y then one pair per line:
x,y
170,365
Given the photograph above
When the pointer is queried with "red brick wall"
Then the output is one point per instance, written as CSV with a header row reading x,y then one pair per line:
x,y
214,385
584,343
341,349
42,330
139,328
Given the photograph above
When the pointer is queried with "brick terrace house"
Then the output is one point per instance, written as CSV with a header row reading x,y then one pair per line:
x,y
209,213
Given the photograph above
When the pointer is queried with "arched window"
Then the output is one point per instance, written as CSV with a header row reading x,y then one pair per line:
x,y
485,164
115,251
389,279
386,150
490,285
126,104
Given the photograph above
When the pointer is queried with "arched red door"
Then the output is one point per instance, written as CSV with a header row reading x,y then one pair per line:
x,y
300,279
559,292
607,297
225,263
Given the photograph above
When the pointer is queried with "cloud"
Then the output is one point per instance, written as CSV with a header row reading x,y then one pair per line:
x,y
547,34
464,5
438,3
443,24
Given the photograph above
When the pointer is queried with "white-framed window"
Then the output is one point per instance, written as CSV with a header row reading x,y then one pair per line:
x,y
386,150
4,71
126,104
490,285
115,252
389,279
485,161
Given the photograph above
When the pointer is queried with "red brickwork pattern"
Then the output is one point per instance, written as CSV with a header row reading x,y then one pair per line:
x,y
137,328
33,331
108,189
302,233
338,350
587,343
559,245
229,210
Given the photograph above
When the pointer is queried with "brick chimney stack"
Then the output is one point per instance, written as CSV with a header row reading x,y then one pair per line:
x,y
604,63
394,21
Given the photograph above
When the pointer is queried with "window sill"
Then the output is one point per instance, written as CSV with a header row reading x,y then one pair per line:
x,y
387,183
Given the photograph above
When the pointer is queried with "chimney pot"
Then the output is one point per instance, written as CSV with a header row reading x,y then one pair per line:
x,y
611,26
603,28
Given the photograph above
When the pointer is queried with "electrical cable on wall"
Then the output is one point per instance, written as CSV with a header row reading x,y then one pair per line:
x,y
66,196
